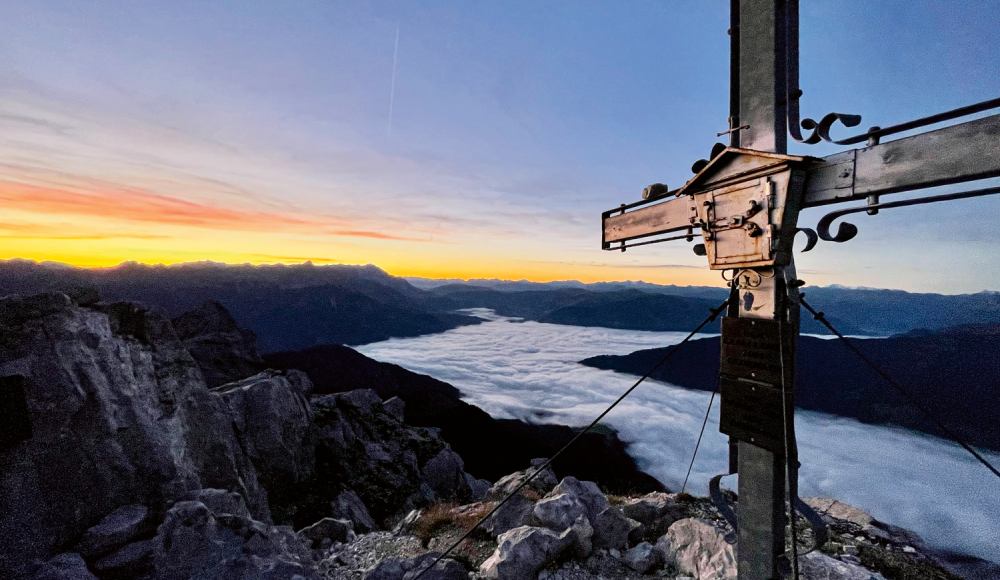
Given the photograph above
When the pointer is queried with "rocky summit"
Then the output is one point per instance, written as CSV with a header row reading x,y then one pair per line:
x,y
133,446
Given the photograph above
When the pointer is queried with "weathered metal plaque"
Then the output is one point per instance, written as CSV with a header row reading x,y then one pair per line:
x,y
754,413
751,349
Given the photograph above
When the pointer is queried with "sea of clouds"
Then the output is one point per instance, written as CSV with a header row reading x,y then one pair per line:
x,y
530,370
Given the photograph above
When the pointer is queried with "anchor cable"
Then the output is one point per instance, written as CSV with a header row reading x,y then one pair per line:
x,y
700,433
714,314
910,398
791,472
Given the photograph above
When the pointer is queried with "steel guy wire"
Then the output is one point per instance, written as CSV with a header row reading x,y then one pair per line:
x,y
708,411
714,314
910,398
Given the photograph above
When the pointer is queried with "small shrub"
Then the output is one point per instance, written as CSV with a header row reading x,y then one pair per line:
x,y
434,520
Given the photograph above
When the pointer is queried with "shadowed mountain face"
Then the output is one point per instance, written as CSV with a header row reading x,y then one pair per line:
x,y
490,447
955,373
287,307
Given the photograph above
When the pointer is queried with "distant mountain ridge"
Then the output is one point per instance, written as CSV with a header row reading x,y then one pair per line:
x,y
301,306
856,311
287,307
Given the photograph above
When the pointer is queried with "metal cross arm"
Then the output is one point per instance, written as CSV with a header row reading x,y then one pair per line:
x,y
960,153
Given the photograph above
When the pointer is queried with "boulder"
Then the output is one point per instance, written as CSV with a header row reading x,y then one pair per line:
x,y
192,542
364,401
515,513
406,524
348,506
67,566
819,566
644,558
398,568
581,535
542,484
114,531
221,502
695,547
336,530
523,552
445,474
131,561
611,529
395,407
587,492
653,508
446,569
558,512
637,533
479,488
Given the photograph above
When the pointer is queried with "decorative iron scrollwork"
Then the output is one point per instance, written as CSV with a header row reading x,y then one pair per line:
x,y
847,231
821,130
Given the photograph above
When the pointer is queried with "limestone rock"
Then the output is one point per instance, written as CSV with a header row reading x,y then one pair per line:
x,y
523,552
541,484
348,506
478,488
445,474
67,566
128,562
192,543
819,566
395,407
406,524
581,535
120,415
558,512
221,502
657,511
224,351
273,419
637,533
336,530
587,492
644,558
361,400
697,548
515,513
611,529
446,569
114,531
409,568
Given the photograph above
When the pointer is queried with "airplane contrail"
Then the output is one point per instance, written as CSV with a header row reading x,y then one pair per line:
x,y
392,89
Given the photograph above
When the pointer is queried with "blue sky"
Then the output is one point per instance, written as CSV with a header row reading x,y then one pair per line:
x,y
260,131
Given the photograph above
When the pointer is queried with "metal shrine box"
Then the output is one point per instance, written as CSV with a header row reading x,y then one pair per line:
x,y
740,201
743,198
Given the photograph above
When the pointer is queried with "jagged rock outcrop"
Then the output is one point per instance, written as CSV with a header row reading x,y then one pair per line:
x,y
119,414
224,351
193,542
523,551
112,423
540,484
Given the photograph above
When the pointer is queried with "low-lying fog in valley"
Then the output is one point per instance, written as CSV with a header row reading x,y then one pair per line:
x,y
529,370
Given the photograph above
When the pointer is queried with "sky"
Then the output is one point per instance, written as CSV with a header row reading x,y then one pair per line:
x,y
260,132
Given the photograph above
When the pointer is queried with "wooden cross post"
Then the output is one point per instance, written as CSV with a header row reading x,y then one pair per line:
x,y
744,203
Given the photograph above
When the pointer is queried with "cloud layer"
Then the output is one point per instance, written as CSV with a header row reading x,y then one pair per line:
x,y
519,369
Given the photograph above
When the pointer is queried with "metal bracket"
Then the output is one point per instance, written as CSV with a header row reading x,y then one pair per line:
x,y
847,231
720,503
